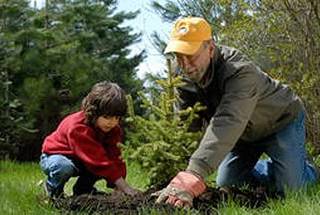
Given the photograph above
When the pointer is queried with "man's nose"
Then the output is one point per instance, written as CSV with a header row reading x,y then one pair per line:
x,y
185,62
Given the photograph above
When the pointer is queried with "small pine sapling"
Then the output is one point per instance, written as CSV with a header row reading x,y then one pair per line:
x,y
161,141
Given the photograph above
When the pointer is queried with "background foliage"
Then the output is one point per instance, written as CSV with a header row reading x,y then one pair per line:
x,y
283,37
49,59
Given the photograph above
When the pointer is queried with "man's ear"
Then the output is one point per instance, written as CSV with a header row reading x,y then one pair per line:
x,y
211,48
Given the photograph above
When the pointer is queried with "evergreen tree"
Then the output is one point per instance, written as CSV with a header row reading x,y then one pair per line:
x,y
13,21
161,141
58,53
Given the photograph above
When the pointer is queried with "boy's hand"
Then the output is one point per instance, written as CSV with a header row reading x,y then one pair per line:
x,y
132,192
123,186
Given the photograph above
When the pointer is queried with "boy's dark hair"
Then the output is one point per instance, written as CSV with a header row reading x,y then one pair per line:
x,y
104,99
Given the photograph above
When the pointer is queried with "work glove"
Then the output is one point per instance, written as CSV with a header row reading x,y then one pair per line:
x,y
182,189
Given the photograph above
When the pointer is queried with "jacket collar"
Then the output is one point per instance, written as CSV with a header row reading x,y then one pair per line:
x,y
215,64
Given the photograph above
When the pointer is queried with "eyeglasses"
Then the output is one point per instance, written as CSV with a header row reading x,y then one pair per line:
x,y
191,59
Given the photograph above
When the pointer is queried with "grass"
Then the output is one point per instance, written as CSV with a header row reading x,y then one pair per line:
x,y
20,194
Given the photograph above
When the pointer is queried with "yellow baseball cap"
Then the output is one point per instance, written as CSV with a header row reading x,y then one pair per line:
x,y
187,35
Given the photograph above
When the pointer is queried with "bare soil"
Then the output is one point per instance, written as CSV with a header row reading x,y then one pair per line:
x,y
119,203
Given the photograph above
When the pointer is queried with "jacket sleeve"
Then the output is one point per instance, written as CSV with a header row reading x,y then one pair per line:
x,y
107,164
228,123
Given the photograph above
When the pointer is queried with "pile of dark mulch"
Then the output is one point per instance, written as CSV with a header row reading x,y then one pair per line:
x,y
119,203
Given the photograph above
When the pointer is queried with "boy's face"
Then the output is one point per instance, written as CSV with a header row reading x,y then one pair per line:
x,y
106,123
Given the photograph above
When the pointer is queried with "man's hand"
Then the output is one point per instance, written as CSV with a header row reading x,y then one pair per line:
x,y
182,189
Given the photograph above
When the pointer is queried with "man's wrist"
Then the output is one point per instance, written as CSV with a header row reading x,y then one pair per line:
x,y
195,174
198,168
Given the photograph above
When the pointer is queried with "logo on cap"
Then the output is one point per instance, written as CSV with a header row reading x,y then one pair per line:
x,y
183,30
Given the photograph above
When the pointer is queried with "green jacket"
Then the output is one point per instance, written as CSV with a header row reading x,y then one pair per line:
x,y
242,103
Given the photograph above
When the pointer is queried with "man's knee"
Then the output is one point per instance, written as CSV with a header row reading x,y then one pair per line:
x,y
224,180
221,182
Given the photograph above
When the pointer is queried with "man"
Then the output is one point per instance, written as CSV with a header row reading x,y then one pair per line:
x,y
247,114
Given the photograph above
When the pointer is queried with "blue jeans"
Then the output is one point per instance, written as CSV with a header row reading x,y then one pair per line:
x,y
287,166
60,168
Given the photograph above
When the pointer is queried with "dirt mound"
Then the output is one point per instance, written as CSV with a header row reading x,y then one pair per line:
x,y
119,203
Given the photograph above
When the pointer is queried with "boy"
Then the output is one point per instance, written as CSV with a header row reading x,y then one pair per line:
x,y
85,145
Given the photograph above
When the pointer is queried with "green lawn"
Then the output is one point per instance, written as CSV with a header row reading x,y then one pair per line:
x,y
20,194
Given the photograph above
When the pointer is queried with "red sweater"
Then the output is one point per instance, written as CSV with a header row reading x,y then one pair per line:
x,y
96,150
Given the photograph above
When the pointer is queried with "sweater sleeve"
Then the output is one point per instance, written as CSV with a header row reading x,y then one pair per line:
x,y
98,159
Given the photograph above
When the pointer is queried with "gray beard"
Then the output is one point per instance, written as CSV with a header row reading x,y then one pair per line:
x,y
207,75
200,74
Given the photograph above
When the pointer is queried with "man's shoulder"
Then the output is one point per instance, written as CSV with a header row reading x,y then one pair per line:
x,y
233,55
236,62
